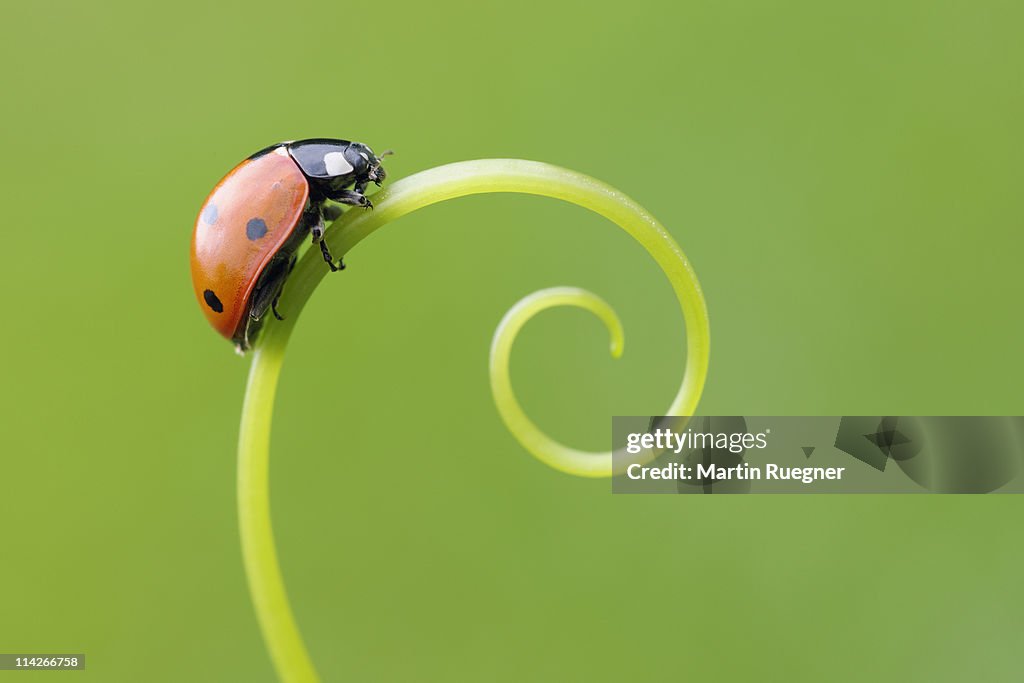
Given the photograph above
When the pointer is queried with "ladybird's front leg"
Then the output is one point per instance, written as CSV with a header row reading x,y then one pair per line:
x,y
352,198
316,229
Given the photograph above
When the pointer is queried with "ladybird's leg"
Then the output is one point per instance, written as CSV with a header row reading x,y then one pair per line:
x,y
268,289
316,228
330,259
352,198
314,218
277,297
252,328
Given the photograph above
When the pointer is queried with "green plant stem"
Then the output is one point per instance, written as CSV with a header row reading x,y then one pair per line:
x,y
402,197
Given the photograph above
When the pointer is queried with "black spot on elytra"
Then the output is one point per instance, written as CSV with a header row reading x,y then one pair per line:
x,y
212,301
209,215
255,229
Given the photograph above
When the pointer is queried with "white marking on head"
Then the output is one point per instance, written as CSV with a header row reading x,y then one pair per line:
x,y
363,155
282,150
336,163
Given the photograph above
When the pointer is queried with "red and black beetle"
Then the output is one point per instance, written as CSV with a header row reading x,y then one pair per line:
x,y
252,224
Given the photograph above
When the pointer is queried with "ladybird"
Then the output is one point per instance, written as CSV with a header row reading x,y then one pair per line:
x,y
249,229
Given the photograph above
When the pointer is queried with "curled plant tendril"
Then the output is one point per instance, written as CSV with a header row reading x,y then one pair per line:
x,y
402,197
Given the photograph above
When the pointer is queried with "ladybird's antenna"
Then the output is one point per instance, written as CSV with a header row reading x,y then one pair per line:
x,y
377,163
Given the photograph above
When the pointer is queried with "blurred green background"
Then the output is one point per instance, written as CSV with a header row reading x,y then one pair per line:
x,y
845,177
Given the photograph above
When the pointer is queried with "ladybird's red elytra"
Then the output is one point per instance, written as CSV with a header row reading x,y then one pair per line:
x,y
226,260
251,225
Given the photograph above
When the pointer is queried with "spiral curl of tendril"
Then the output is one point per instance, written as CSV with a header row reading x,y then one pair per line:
x,y
266,585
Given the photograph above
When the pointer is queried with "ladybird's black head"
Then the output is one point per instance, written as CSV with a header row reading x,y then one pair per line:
x,y
365,164
377,172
